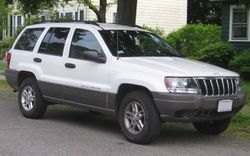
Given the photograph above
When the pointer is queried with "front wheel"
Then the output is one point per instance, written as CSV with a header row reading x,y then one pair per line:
x,y
213,127
138,118
31,103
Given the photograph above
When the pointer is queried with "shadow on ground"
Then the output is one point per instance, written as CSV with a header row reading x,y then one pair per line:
x,y
171,133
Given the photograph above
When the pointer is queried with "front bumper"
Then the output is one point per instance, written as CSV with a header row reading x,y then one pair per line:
x,y
194,108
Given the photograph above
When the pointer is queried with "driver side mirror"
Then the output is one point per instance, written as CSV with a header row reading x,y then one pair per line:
x,y
93,55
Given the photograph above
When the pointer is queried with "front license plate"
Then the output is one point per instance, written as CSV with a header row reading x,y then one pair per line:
x,y
225,105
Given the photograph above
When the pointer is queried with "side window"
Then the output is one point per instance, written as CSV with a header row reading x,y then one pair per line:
x,y
54,40
82,41
28,39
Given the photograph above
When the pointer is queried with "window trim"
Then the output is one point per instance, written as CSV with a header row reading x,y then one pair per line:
x,y
71,40
43,37
20,35
232,7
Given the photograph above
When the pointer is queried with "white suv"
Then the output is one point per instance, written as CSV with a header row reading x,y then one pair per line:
x,y
120,70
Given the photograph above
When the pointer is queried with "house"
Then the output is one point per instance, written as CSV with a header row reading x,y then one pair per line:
x,y
168,15
236,24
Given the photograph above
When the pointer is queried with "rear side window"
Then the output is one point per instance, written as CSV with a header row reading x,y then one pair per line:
x,y
28,39
54,40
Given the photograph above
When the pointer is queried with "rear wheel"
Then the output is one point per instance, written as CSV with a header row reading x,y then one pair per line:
x,y
138,118
213,127
31,103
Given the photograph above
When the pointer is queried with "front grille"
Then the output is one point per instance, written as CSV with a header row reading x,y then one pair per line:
x,y
218,86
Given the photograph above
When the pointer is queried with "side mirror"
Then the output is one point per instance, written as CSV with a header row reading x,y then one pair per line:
x,y
93,55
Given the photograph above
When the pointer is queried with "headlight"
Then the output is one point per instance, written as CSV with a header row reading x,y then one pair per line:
x,y
239,81
181,85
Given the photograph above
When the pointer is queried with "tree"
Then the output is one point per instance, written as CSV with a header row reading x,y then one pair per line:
x,y
37,6
101,12
126,10
204,11
3,15
245,2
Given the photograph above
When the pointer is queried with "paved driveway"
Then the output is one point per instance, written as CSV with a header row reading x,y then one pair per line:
x,y
71,132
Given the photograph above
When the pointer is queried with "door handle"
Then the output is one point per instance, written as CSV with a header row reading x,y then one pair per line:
x,y
38,60
70,65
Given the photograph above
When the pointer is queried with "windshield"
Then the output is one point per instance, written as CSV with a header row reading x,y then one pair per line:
x,y
136,43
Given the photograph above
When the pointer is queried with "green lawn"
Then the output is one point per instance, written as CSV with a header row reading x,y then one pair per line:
x,y
239,128
2,66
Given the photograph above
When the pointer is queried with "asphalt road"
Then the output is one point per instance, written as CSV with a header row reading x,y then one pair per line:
x,y
71,132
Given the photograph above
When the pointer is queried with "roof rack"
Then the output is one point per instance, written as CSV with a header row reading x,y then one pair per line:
x,y
138,26
68,21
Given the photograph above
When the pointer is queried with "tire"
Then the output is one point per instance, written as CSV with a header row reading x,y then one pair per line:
x,y
145,115
213,127
31,103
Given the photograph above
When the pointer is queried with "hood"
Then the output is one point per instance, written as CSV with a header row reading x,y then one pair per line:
x,y
173,66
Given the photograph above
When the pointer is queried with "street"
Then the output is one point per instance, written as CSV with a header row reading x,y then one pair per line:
x,y
70,131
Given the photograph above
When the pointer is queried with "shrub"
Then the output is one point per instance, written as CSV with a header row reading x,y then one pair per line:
x,y
4,45
194,37
218,54
7,43
156,30
241,62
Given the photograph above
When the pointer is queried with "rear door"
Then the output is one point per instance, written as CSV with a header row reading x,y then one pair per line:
x,y
50,58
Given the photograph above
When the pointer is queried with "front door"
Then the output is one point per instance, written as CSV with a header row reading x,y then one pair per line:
x,y
87,80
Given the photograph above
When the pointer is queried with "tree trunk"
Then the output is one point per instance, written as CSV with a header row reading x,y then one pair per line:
x,y
102,10
126,12
101,13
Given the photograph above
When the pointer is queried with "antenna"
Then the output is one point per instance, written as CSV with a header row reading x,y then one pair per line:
x,y
117,37
117,46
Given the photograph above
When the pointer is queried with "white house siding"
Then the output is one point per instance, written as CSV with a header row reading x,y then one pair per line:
x,y
166,14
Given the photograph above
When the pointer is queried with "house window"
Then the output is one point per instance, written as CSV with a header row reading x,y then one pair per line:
x,y
69,15
43,18
81,15
76,16
240,26
114,17
19,20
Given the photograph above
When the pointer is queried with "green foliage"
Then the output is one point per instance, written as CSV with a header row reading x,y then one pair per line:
x,y
246,86
4,46
7,43
204,11
2,66
3,14
157,30
240,117
191,38
241,62
218,54
245,2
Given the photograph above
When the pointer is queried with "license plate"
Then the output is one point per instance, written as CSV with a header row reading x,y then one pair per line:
x,y
225,105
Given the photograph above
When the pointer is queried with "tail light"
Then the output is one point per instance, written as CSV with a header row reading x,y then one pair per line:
x,y
8,58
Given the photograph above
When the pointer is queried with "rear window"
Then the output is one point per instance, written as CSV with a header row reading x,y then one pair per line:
x,y
53,42
28,39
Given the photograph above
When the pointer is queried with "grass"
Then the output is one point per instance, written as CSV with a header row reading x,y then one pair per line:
x,y
239,128
2,66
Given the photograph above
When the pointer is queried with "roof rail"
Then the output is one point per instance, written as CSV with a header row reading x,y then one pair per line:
x,y
67,21
138,26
